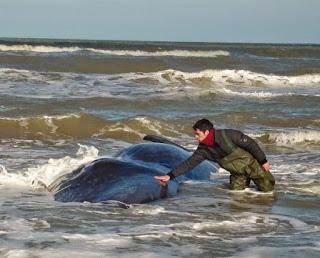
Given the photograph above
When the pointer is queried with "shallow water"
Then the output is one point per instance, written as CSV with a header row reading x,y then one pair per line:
x,y
63,104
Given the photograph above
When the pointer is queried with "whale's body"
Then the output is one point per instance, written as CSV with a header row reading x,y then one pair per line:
x,y
128,176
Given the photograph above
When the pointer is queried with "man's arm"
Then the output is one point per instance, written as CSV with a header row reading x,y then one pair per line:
x,y
196,158
245,142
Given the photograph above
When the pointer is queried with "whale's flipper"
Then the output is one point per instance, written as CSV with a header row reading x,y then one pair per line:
x,y
160,139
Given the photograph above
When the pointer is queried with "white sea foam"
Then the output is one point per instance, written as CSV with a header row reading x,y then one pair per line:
x,y
255,94
296,188
3,174
252,222
243,77
42,175
109,241
252,192
224,77
294,137
37,224
297,173
40,49
147,210
177,53
167,83
47,252
23,121
13,74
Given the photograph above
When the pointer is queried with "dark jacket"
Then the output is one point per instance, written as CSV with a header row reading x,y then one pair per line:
x,y
225,142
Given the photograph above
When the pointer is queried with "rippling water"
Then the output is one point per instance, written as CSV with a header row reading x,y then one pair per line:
x,y
65,103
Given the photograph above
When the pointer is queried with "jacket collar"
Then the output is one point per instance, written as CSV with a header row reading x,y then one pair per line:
x,y
209,140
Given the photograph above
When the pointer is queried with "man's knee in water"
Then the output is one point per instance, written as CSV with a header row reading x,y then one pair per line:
x,y
236,187
238,182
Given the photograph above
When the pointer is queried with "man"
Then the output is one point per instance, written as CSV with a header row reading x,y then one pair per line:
x,y
234,151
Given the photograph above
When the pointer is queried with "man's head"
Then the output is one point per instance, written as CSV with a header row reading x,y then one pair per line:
x,y
201,129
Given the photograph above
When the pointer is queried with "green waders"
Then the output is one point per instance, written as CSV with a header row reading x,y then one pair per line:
x,y
243,168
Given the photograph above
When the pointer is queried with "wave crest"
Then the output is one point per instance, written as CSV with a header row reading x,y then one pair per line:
x,y
239,77
41,176
79,126
136,53
292,137
202,78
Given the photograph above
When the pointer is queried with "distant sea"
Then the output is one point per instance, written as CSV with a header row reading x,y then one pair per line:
x,y
66,102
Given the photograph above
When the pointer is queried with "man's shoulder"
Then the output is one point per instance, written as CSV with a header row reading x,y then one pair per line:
x,y
227,131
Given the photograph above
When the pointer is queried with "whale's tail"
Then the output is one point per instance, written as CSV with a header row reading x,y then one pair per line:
x,y
160,139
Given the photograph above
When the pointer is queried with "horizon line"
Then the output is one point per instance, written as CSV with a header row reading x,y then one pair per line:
x,y
152,41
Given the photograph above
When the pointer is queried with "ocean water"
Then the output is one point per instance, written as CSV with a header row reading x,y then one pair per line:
x,y
65,103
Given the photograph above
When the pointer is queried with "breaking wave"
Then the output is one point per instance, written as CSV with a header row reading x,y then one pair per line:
x,y
165,77
292,137
82,125
79,126
135,53
240,77
40,176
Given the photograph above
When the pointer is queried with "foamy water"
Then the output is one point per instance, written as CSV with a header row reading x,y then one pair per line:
x,y
205,216
136,53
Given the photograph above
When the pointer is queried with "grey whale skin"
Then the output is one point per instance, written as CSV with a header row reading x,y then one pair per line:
x,y
128,176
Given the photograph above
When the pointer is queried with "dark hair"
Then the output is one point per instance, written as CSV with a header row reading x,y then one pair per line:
x,y
203,125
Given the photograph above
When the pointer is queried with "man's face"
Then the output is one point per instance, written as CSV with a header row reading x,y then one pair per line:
x,y
199,135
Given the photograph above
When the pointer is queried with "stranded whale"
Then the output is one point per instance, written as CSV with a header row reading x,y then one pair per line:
x,y
128,176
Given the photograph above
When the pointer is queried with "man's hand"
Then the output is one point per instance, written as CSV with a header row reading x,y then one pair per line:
x,y
266,166
162,179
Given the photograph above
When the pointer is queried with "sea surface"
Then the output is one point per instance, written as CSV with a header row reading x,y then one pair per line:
x,y
65,102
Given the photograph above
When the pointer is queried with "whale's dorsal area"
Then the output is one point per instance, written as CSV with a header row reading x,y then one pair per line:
x,y
128,176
